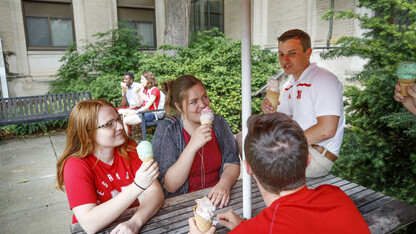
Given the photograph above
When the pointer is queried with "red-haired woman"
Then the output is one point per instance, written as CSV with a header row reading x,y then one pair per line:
x,y
102,173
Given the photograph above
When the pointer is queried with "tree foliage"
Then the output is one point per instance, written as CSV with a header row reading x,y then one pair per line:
x,y
379,146
210,56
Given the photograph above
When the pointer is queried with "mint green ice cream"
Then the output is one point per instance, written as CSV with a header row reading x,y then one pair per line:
x,y
145,150
407,70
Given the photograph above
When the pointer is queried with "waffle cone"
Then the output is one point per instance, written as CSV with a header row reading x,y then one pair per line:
x,y
145,160
273,98
403,85
202,224
206,122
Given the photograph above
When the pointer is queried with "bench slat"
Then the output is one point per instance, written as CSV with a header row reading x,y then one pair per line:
x,y
30,109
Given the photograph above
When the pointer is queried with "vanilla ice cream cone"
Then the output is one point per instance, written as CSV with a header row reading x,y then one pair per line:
x,y
203,224
273,98
403,85
207,116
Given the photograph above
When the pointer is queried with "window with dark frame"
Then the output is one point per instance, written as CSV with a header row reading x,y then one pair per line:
x,y
206,15
142,20
48,25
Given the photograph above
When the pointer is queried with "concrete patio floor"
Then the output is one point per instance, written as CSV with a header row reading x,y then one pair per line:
x,y
28,201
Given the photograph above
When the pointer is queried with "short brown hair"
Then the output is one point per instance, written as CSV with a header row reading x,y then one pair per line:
x,y
296,34
177,91
151,79
276,149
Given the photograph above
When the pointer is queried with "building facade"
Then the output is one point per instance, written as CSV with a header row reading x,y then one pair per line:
x,y
36,33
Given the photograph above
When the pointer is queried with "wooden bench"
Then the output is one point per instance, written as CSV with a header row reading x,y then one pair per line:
x,y
31,109
145,123
383,214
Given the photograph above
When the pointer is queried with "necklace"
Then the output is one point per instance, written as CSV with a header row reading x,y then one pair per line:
x,y
202,167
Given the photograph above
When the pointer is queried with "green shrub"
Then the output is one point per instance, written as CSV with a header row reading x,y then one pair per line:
x,y
210,56
379,146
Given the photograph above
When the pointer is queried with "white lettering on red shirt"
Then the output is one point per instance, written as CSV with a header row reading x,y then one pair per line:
x,y
105,184
110,177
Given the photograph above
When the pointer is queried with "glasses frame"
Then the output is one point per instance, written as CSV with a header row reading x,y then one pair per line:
x,y
106,125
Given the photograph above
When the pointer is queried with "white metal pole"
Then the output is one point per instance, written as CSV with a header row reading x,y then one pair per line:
x,y
4,88
246,97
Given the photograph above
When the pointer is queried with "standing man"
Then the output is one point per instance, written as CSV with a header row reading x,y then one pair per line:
x,y
313,98
276,156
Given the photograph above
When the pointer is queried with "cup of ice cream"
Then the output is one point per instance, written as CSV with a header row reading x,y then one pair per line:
x,y
406,72
207,116
272,92
145,151
204,214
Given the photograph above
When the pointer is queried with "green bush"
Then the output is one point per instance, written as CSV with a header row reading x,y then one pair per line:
x,y
210,56
379,146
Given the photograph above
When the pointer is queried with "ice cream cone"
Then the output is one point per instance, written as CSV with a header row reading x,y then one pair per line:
x,y
203,224
145,160
207,116
403,85
273,98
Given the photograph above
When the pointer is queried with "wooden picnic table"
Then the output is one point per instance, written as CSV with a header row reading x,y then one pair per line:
x,y
382,213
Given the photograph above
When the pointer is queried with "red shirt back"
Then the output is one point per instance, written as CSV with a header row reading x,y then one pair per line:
x,y
326,209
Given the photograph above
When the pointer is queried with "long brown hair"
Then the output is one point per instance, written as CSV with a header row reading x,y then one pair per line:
x,y
81,135
150,78
177,91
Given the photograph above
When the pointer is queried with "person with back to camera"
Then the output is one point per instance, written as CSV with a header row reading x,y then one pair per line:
x,y
313,98
102,173
194,156
277,155
148,100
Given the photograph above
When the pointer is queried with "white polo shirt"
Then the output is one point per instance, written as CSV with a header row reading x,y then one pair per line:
x,y
318,92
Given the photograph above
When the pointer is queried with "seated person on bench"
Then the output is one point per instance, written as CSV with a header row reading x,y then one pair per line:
x,y
148,99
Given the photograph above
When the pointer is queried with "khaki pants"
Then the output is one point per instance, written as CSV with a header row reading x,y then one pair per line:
x,y
319,165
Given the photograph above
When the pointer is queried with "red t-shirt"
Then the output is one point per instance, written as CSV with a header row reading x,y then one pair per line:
x,y
212,164
149,92
326,209
88,181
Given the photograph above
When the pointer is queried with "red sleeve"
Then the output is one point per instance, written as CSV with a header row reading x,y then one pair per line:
x,y
156,92
79,183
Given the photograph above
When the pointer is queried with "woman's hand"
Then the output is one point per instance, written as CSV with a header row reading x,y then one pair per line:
x,y
200,136
147,173
220,195
127,227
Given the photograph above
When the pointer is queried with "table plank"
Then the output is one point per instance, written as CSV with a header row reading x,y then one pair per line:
x,y
382,213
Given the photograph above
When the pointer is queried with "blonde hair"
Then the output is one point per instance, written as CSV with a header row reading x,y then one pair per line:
x,y
81,135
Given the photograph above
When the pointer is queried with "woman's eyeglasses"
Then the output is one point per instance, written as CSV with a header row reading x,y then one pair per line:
x,y
112,124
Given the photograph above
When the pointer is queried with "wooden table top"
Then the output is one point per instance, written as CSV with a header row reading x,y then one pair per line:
x,y
382,213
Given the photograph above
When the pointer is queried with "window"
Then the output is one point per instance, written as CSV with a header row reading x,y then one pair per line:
x,y
142,20
48,25
206,15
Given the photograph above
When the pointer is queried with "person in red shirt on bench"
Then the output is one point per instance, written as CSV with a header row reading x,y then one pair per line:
x,y
277,156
